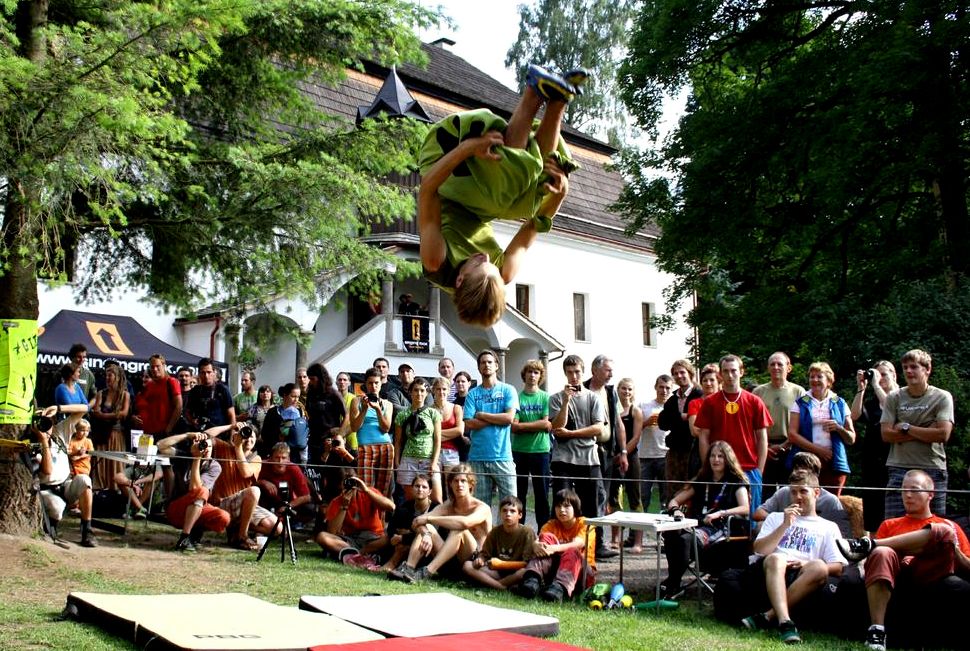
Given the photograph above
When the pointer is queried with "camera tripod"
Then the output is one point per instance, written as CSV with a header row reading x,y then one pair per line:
x,y
286,534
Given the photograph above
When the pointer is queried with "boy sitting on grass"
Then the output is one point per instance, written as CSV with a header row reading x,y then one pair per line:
x,y
475,167
501,562
558,559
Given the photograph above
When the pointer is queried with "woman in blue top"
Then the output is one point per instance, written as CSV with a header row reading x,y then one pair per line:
x,y
820,422
370,417
69,391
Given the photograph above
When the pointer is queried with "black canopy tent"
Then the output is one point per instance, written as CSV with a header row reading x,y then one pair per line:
x,y
106,336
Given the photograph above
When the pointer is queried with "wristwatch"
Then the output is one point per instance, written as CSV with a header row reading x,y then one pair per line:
x,y
904,428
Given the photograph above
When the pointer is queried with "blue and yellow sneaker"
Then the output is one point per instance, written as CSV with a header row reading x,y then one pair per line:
x,y
577,77
548,85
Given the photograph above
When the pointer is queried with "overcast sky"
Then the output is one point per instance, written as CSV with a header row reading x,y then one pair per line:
x,y
483,39
480,38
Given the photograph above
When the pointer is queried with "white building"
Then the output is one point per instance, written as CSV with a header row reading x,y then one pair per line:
x,y
585,288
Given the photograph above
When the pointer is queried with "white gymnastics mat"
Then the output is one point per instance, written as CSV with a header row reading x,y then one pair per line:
x,y
433,613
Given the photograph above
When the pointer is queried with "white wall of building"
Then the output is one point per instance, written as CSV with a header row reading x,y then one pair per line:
x,y
616,282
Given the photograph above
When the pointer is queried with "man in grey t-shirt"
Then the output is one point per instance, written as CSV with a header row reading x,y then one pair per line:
x,y
577,416
827,505
917,422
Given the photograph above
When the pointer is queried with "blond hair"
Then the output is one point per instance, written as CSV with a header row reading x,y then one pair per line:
x,y
534,365
481,301
824,369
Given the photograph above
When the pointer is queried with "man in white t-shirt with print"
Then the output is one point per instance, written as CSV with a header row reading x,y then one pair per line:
x,y
800,554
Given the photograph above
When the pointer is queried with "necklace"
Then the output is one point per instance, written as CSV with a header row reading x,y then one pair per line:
x,y
732,405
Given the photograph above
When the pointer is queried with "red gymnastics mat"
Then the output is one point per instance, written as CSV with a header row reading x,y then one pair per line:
x,y
485,641
223,622
432,613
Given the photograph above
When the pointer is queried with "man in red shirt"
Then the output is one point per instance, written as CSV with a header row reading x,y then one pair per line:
x,y
921,547
277,470
354,520
739,418
159,405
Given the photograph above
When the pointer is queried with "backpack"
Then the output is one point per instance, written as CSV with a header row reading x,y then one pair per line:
x,y
295,432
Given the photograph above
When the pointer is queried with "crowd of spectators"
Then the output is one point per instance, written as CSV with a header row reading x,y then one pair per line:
x,y
400,474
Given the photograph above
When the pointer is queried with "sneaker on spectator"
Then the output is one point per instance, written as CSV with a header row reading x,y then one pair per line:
x,y
604,552
185,545
876,639
421,574
140,514
855,549
528,587
362,561
788,633
401,573
756,622
554,593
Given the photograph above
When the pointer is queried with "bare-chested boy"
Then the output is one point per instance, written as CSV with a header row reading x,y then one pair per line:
x,y
455,529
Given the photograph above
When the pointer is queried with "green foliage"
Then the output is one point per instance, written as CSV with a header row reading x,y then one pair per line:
x,y
821,202
566,34
175,141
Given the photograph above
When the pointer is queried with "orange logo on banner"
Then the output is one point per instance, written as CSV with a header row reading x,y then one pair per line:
x,y
105,336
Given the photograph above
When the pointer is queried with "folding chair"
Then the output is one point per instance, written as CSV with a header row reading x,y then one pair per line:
x,y
727,551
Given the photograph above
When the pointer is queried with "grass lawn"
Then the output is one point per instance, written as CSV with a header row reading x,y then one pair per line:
x,y
37,577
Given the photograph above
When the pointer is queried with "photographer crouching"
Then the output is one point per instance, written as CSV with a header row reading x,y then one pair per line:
x,y
354,523
58,487
195,473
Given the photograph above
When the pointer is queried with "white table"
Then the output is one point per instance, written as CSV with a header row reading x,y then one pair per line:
x,y
652,523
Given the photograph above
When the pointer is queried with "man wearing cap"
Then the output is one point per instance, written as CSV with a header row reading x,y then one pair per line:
x,y
405,375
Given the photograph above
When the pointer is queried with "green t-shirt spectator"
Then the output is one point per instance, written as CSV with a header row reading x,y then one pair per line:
x,y
418,436
532,407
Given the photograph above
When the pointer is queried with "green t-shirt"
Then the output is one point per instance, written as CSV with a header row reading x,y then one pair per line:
x,y
479,190
243,402
419,439
532,407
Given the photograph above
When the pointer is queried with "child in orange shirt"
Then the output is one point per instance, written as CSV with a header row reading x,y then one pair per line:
x,y
79,447
558,559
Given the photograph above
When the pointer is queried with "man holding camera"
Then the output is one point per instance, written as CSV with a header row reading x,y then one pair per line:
x,y
210,399
354,520
234,490
195,474
276,473
577,417
58,487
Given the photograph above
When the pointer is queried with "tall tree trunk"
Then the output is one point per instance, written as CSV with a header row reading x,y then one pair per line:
x,y
19,512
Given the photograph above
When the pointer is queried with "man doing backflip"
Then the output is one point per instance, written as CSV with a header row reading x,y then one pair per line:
x,y
476,167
